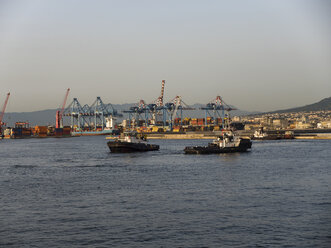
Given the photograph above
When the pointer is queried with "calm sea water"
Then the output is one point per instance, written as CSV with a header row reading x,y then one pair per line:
x,y
73,192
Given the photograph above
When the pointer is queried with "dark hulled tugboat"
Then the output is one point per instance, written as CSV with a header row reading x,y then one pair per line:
x,y
129,142
228,142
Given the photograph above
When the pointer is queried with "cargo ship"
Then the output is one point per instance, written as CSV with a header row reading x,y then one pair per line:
x,y
108,129
92,132
20,131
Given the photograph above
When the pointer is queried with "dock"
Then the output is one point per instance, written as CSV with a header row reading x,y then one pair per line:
x,y
315,136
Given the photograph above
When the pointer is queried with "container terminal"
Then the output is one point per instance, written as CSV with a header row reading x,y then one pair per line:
x,y
100,118
155,120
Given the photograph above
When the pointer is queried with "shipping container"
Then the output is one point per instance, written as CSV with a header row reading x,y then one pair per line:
x,y
40,129
58,132
7,132
176,129
155,129
216,128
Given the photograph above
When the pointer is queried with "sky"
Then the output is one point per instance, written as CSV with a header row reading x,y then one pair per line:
x,y
258,55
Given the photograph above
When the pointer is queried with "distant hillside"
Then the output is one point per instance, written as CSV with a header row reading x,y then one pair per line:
x,y
324,104
47,117
201,113
43,117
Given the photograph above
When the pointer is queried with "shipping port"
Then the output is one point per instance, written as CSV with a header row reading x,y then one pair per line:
x,y
174,116
96,119
103,119
156,120
172,119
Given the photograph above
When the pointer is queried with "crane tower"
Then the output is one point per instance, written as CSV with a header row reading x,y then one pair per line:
x,y
59,114
3,111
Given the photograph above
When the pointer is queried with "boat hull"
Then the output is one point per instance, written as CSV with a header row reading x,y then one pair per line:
x,y
91,133
243,146
126,147
274,137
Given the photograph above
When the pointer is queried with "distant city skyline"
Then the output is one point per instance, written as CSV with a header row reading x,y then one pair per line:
x,y
258,55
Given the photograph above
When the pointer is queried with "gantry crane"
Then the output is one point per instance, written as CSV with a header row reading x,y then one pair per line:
x,y
137,112
157,112
157,108
3,111
102,114
216,106
175,107
59,114
78,114
90,117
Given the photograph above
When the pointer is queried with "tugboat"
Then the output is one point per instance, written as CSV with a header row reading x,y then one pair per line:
x,y
129,142
228,142
260,134
289,135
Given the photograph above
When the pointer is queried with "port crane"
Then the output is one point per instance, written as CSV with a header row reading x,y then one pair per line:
x,y
175,109
140,111
3,111
150,113
157,108
103,112
218,108
158,112
78,114
59,114
159,101
90,117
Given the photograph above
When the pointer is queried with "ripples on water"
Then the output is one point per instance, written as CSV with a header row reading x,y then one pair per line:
x,y
72,192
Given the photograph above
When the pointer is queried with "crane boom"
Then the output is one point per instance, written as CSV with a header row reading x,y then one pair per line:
x,y
160,98
64,102
59,114
4,108
178,102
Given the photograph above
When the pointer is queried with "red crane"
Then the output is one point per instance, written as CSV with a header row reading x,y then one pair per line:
x,y
159,100
3,112
59,114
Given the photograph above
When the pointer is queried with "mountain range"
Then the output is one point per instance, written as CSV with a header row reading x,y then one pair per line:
x,y
324,104
47,117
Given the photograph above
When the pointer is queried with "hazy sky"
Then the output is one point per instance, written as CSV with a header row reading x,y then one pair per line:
x,y
258,55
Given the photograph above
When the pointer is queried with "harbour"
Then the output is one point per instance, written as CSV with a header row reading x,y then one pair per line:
x,y
161,120
165,124
74,192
